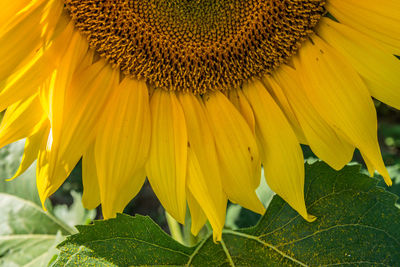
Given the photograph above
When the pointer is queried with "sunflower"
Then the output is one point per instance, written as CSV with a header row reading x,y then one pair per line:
x,y
195,95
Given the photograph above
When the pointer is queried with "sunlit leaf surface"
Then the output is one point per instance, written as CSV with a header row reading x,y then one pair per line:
x,y
357,224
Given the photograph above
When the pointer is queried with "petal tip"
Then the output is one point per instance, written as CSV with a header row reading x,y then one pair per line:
x,y
43,205
388,181
217,237
310,218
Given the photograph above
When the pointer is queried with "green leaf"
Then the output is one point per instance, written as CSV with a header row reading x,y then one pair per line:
x,y
357,224
28,250
121,242
28,234
394,172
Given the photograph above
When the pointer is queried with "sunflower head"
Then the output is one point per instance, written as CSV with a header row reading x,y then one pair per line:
x,y
196,46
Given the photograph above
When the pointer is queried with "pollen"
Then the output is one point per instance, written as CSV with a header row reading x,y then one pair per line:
x,y
196,45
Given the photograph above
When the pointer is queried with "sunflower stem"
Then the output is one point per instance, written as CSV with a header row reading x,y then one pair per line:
x,y
174,228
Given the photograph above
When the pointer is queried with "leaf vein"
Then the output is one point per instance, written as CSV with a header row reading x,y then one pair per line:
x,y
283,254
336,226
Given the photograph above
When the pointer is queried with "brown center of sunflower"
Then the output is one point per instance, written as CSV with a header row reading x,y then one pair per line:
x,y
195,45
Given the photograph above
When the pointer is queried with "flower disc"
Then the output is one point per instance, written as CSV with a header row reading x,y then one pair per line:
x,y
196,45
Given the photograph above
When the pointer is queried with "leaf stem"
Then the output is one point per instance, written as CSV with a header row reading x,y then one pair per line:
x,y
228,255
200,245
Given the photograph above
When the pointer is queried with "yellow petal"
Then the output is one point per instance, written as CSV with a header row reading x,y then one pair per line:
x,y
379,69
203,176
22,36
122,146
42,168
61,80
280,151
31,150
238,156
9,10
370,166
44,94
74,118
68,43
20,39
26,80
21,120
52,17
322,138
282,101
342,99
166,167
240,102
24,83
12,13
380,20
197,215
91,191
